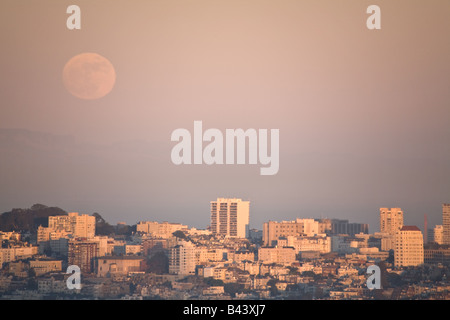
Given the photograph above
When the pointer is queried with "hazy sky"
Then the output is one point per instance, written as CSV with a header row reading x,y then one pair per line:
x,y
363,115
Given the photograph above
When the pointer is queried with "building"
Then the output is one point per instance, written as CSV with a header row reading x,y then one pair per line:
x,y
274,230
182,258
437,254
17,252
391,220
341,243
43,234
430,235
159,230
203,255
214,290
82,252
153,245
82,226
387,241
59,247
128,249
41,267
345,227
9,236
255,234
318,243
278,255
241,255
230,217
55,285
59,223
438,234
119,265
408,247
446,224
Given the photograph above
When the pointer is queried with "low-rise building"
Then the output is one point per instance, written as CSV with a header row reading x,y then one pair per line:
x,y
119,265
283,256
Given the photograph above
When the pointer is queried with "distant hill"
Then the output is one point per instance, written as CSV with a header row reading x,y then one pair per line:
x,y
28,219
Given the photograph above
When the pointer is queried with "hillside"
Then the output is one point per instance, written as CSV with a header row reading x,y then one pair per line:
x,y
28,219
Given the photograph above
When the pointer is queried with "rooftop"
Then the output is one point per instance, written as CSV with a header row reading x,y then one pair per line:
x,y
409,228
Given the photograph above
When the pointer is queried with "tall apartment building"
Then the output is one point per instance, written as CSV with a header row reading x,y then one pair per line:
x,y
82,253
339,226
230,217
83,225
430,235
446,223
438,234
182,259
408,247
274,230
391,219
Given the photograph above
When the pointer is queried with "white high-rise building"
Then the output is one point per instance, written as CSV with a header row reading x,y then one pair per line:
x,y
408,247
230,217
391,219
182,259
83,226
438,234
446,223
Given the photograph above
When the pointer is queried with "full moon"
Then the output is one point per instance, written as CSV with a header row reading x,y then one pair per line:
x,y
89,76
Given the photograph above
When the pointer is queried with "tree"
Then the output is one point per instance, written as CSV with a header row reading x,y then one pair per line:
x,y
31,282
28,219
210,281
394,280
179,234
102,227
274,291
292,287
293,271
272,282
233,288
158,263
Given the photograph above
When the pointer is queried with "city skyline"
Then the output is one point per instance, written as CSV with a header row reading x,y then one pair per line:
x,y
306,258
385,225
